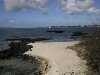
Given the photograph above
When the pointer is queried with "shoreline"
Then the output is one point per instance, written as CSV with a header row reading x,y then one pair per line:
x,y
62,60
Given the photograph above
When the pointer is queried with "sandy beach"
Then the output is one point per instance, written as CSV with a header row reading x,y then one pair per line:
x,y
63,61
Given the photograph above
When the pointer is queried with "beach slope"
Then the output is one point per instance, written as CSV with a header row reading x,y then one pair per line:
x,y
63,61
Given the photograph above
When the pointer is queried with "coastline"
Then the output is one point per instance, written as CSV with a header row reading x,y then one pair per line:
x,y
63,61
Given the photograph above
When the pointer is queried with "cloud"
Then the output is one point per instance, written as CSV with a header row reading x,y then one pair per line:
x,y
93,10
17,5
79,6
70,6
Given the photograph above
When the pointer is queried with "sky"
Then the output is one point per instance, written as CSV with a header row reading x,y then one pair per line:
x,y
42,13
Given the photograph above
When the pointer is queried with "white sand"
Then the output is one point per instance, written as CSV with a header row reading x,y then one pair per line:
x,y
63,61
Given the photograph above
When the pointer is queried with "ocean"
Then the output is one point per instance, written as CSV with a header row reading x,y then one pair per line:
x,y
40,32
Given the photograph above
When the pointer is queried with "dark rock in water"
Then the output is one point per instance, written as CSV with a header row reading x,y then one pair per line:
x,y
27,40
13,62
41,39
73,37
18,48
56,31
15,50
1,67
78,34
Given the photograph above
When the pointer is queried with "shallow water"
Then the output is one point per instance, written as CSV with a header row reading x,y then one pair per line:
x,y
9,33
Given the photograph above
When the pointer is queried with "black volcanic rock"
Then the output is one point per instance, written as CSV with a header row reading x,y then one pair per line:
x,y
17,49
28,40
78,34
60,31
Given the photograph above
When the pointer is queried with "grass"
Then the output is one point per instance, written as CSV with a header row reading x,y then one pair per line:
x,y
89,50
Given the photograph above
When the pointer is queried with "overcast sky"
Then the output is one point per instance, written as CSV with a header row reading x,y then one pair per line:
x,y
35,13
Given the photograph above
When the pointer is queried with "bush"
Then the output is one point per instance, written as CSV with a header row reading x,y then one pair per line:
x,y
89,50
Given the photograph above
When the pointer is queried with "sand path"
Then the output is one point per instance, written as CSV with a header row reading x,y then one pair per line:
x,y
64,61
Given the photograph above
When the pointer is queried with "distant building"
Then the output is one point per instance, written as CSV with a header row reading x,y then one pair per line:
x,y
49,27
